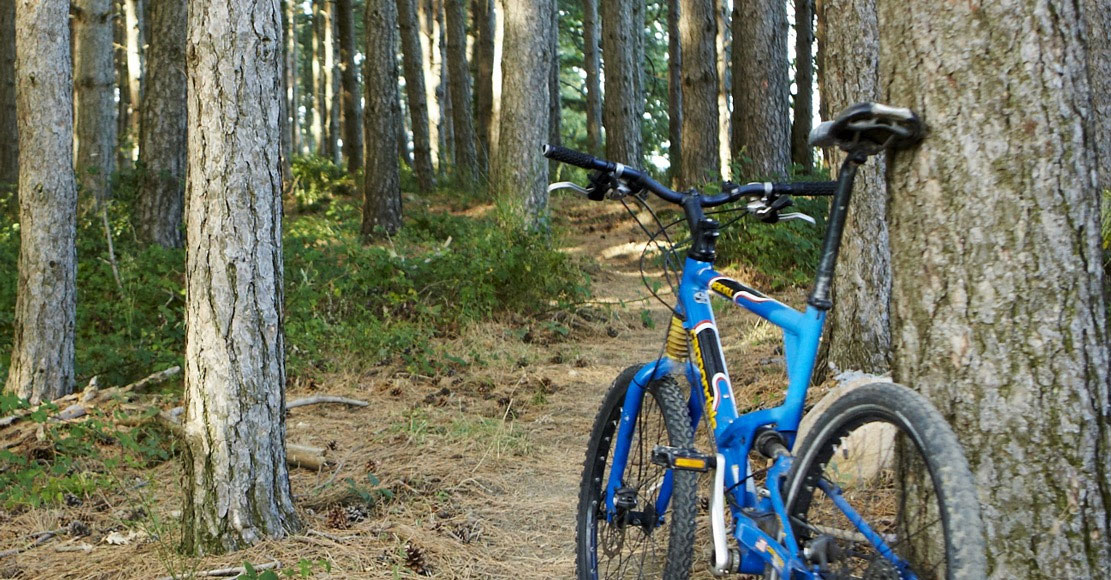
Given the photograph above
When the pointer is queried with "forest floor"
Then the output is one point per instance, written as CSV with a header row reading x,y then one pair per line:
x,y
471,475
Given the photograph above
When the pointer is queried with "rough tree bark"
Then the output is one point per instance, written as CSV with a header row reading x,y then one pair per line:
x,y
484,79
697,36
352,99
287,105
674,93
382,189
592,64
443,91
412,59
95,87
520,169
998,312
859,336
1097,20
46,304
466,157
801,151
9,125
163,128
761,88
623,110
236,483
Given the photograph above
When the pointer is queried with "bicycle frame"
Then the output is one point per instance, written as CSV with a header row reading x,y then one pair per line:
x,y
712,397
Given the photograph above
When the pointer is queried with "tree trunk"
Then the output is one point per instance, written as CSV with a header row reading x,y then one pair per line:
x,y
998,310
352,99
95,88
9,125
622,27
45,307
236,484
520,169
284,124
859,336
675,94
430,51
319,106
484,80
592,64
382,189
293,78
331,82
724,38
163,141
137,34
801,151
402,133
761,88
417,95
123,105
555,115
499,43
697,35
443,92
466,158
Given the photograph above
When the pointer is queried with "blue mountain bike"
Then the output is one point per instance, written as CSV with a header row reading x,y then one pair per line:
x,y
874,484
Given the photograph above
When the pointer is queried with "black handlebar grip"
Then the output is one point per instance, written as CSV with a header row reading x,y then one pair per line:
x,y
572,157
814,188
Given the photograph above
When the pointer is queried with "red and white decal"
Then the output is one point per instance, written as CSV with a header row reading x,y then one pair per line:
x,y
720,383
703,326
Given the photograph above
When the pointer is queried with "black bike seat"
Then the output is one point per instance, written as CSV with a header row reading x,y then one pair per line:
x,y
869,128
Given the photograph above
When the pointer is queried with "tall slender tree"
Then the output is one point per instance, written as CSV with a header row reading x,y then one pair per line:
x,y
674,92
859,336
697,36
997,304
293,77
592,66
466,156
319,105
622,47
95,86
123,104
761,88
382,189
352,99
443,90
331,82
236,484
555,116
163,128
520,169
484,78
287,104
412,60
137,35
45,307
9,125
725,86
430,66
801,151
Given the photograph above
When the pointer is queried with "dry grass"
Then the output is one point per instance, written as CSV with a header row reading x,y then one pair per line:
x,y
481,467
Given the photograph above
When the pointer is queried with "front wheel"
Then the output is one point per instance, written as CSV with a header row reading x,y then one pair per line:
x,y
884,452
638,542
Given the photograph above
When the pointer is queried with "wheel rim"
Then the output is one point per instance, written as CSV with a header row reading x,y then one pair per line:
x,y
624,550
879,469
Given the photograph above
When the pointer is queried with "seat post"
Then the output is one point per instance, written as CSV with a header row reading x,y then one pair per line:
x,y
820,295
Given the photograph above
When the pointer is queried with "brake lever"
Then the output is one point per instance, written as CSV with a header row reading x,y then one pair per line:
x,y
796,215
568,185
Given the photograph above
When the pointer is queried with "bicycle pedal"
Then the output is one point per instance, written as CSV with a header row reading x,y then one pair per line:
x,y
682,458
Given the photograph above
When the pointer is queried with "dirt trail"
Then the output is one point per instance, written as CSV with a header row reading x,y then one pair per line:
x,y
469,476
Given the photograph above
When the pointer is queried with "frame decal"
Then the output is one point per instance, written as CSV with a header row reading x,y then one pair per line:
x,y
711,367
734,290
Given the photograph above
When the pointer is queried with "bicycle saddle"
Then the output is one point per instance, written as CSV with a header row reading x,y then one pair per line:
x,y
869,128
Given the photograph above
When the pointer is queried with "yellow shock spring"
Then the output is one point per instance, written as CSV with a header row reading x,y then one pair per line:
x,y
676,340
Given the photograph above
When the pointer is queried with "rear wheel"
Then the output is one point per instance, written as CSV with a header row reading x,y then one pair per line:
x,y
889,454
638,542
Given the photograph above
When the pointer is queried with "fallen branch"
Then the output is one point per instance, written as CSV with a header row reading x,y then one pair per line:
x,y
41,538
76,405
305,456
226,572
325,399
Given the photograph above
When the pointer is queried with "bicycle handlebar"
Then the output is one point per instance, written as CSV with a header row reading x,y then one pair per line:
x,y
640,179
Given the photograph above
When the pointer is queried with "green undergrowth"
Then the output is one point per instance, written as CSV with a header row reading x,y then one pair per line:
x,y
349,305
